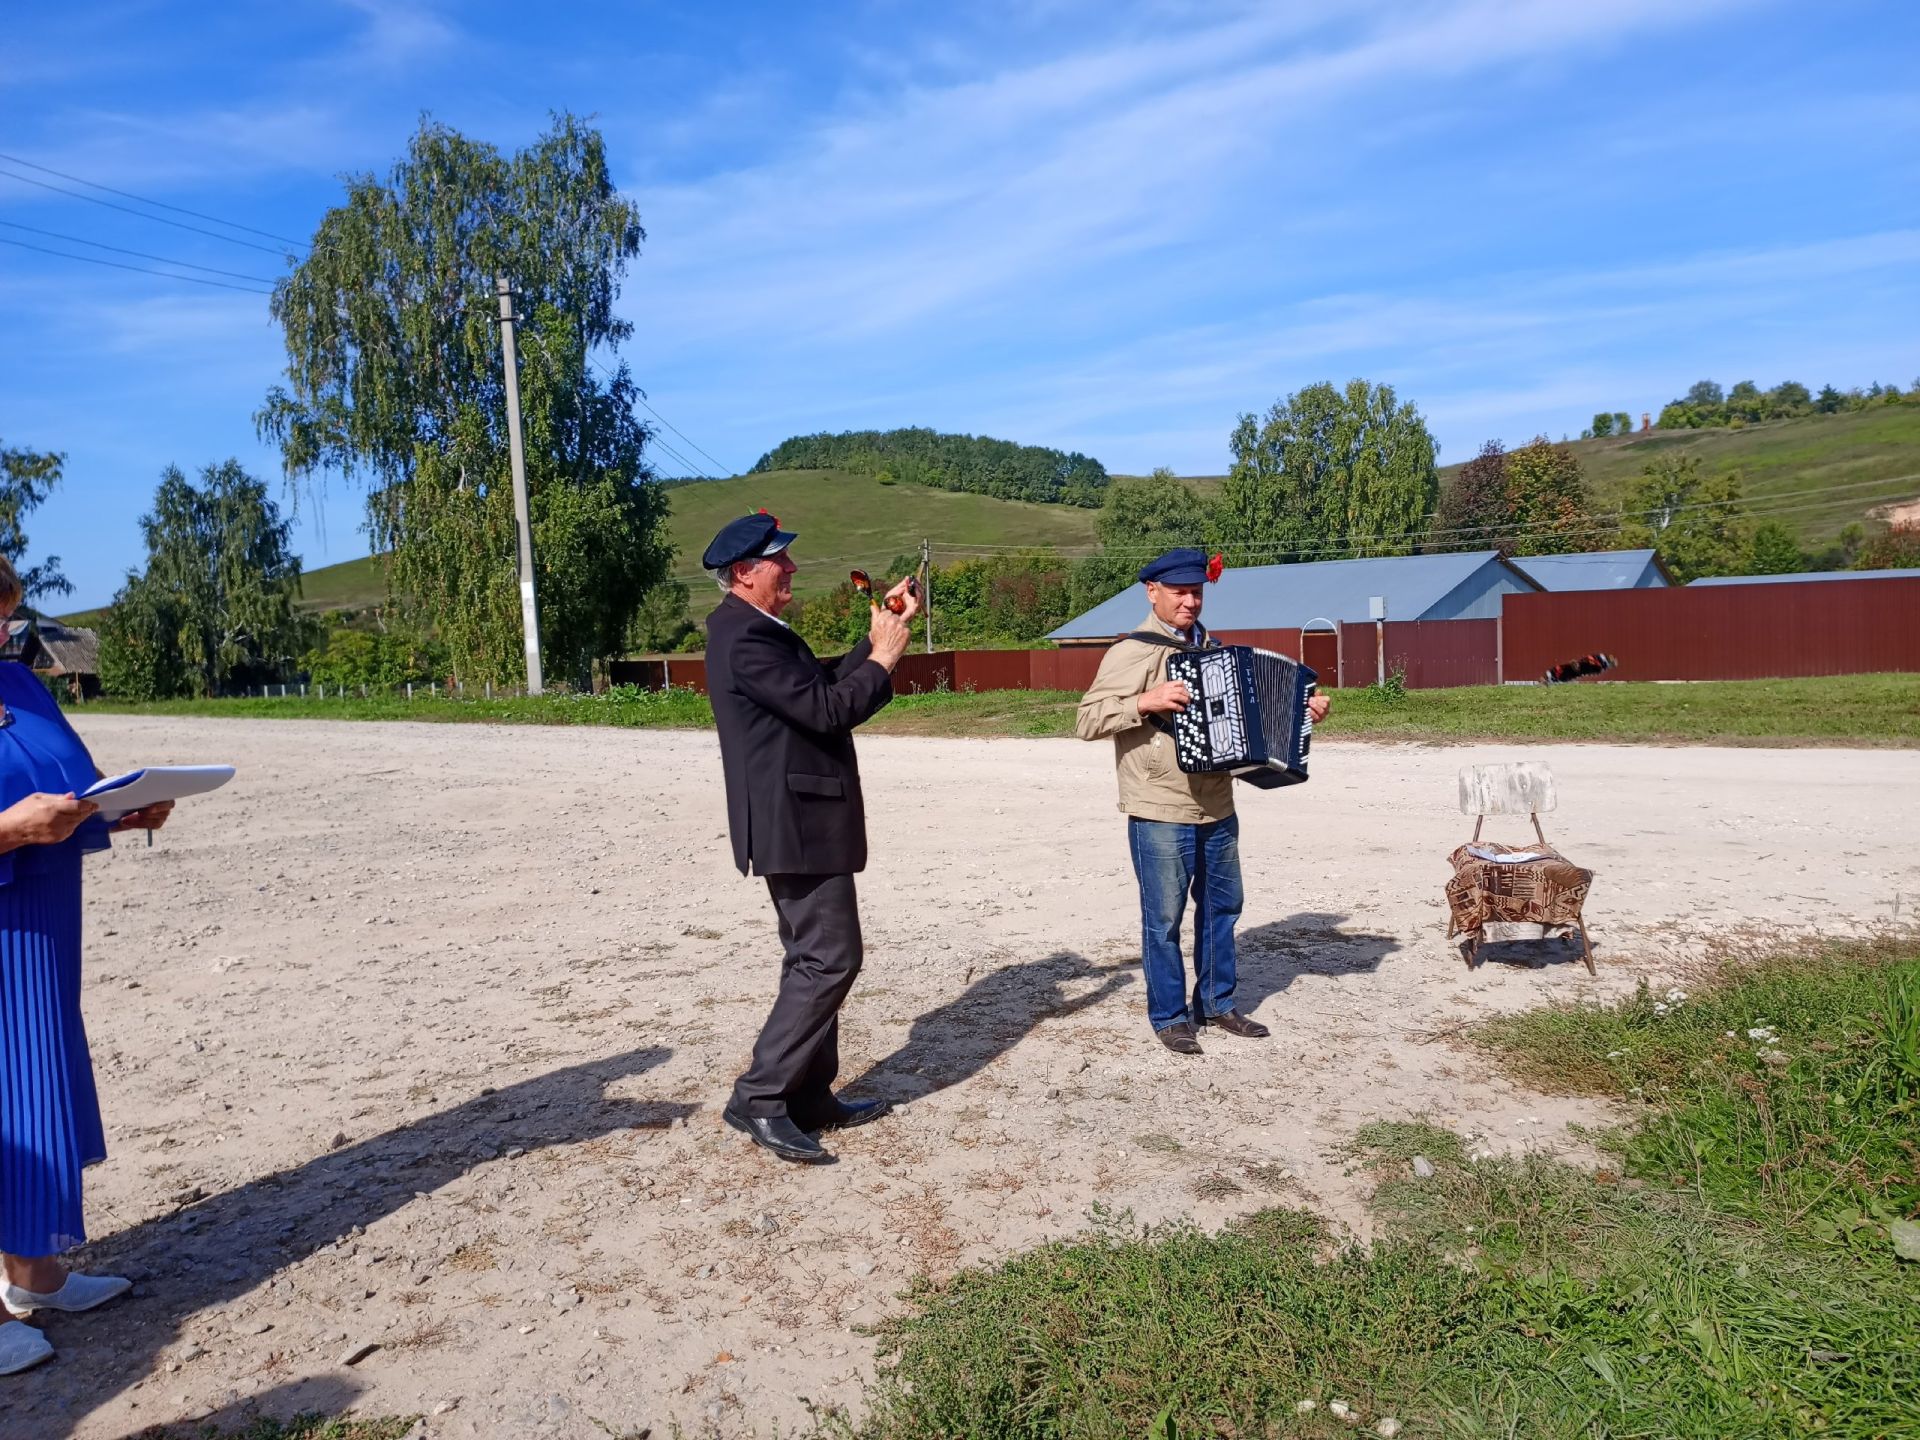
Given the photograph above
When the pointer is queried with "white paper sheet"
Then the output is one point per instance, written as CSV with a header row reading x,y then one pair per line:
x,y
123,794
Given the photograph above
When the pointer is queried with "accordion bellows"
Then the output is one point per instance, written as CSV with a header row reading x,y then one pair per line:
x,y
1248,714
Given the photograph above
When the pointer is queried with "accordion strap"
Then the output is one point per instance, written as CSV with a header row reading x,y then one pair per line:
x,y
1154,637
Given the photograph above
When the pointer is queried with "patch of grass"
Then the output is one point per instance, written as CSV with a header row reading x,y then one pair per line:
x,y
1866,710
1787,1092
1513,1296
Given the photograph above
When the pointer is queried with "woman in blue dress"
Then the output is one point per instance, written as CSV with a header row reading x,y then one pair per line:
x,y
49,1115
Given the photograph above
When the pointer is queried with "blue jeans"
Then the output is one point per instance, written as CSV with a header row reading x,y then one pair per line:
x,y
1172,862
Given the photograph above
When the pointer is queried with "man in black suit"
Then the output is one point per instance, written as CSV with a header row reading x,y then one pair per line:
x,y
786,723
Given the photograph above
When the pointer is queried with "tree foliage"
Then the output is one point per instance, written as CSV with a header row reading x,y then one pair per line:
x,y
979,602
373,659
975,463
1772,550
1895,548
1329,473
1530,501
1706,406
1696,523
1141,518
27,478
394,377
214,606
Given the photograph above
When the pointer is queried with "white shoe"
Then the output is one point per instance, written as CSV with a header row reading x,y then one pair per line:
x,y
22,1347
81,1292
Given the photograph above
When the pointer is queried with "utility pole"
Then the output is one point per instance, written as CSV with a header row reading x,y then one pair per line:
x,y
926,588
529,610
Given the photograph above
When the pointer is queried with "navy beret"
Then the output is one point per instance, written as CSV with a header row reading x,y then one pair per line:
x,y
1177,567
748,538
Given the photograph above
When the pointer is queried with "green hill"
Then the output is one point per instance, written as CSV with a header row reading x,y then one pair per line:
x,y
1815,474
843,520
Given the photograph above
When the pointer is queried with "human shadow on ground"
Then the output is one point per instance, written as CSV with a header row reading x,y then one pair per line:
x,y
313,1395
1274,955
962,1037
217,1248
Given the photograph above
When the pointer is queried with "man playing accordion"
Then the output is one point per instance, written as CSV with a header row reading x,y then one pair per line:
x,y
1181,829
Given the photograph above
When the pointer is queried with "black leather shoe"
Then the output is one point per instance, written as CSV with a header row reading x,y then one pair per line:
x,y
848,1113
778,1134
1234,1023
1180,1039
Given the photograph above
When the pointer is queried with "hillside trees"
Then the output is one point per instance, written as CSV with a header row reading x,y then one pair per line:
x,y
394,379
214,606
1530,501
27,477
1141,518
1707,406
976,463
1895,548
1328,473
1772,550
1696,522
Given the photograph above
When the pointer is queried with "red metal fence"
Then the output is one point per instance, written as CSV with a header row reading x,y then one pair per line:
x,y
1432,654
1721,632
1716,632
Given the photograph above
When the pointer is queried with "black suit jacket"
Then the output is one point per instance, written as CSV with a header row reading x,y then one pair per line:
x,y
786,724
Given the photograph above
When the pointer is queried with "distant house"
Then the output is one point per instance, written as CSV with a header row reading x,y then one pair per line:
x,y
1815,575
1597,570
1322,593
55,651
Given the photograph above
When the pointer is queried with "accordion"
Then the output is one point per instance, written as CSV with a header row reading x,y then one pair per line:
x,y
1248,714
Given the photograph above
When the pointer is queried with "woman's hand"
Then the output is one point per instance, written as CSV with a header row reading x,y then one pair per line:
x,y
42,819
150,818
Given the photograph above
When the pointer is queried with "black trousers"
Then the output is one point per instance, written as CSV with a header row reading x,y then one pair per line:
x,y
797,1055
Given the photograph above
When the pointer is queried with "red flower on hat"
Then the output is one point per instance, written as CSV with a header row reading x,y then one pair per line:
x,y
1216,566
774,518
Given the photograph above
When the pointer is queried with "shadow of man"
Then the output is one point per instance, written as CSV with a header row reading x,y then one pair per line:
x,y
224,1245
994,1013
1274,955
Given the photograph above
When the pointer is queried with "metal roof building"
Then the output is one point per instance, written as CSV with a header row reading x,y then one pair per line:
x,y
1464,586
1816,575
1597,570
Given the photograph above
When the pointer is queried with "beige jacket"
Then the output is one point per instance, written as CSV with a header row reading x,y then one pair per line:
x,y
1152,784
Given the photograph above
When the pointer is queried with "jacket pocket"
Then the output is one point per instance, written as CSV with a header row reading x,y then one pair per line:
x,y
830,786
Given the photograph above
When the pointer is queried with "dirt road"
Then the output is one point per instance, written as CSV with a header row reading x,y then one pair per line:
x,y
415,1037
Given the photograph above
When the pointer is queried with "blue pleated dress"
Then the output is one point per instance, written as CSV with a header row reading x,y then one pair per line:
x,y
49,1112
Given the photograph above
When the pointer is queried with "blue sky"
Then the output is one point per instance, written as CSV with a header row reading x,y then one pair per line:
x,y
1105,226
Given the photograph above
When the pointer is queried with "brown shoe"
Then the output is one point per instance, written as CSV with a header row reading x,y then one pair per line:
x,y
1180,1039
1234,1023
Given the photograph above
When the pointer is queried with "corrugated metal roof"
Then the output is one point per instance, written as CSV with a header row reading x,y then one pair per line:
x,y
1271,597
1597,570
1816,575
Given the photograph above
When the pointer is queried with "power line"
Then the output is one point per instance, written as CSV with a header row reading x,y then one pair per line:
x,y
1767,506
129,210
138,254
138,269
725,468
144,200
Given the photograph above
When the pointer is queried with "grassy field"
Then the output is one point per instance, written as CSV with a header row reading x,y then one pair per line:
x,y
1746,1265
1861,710
1859,460
844,521
847,520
